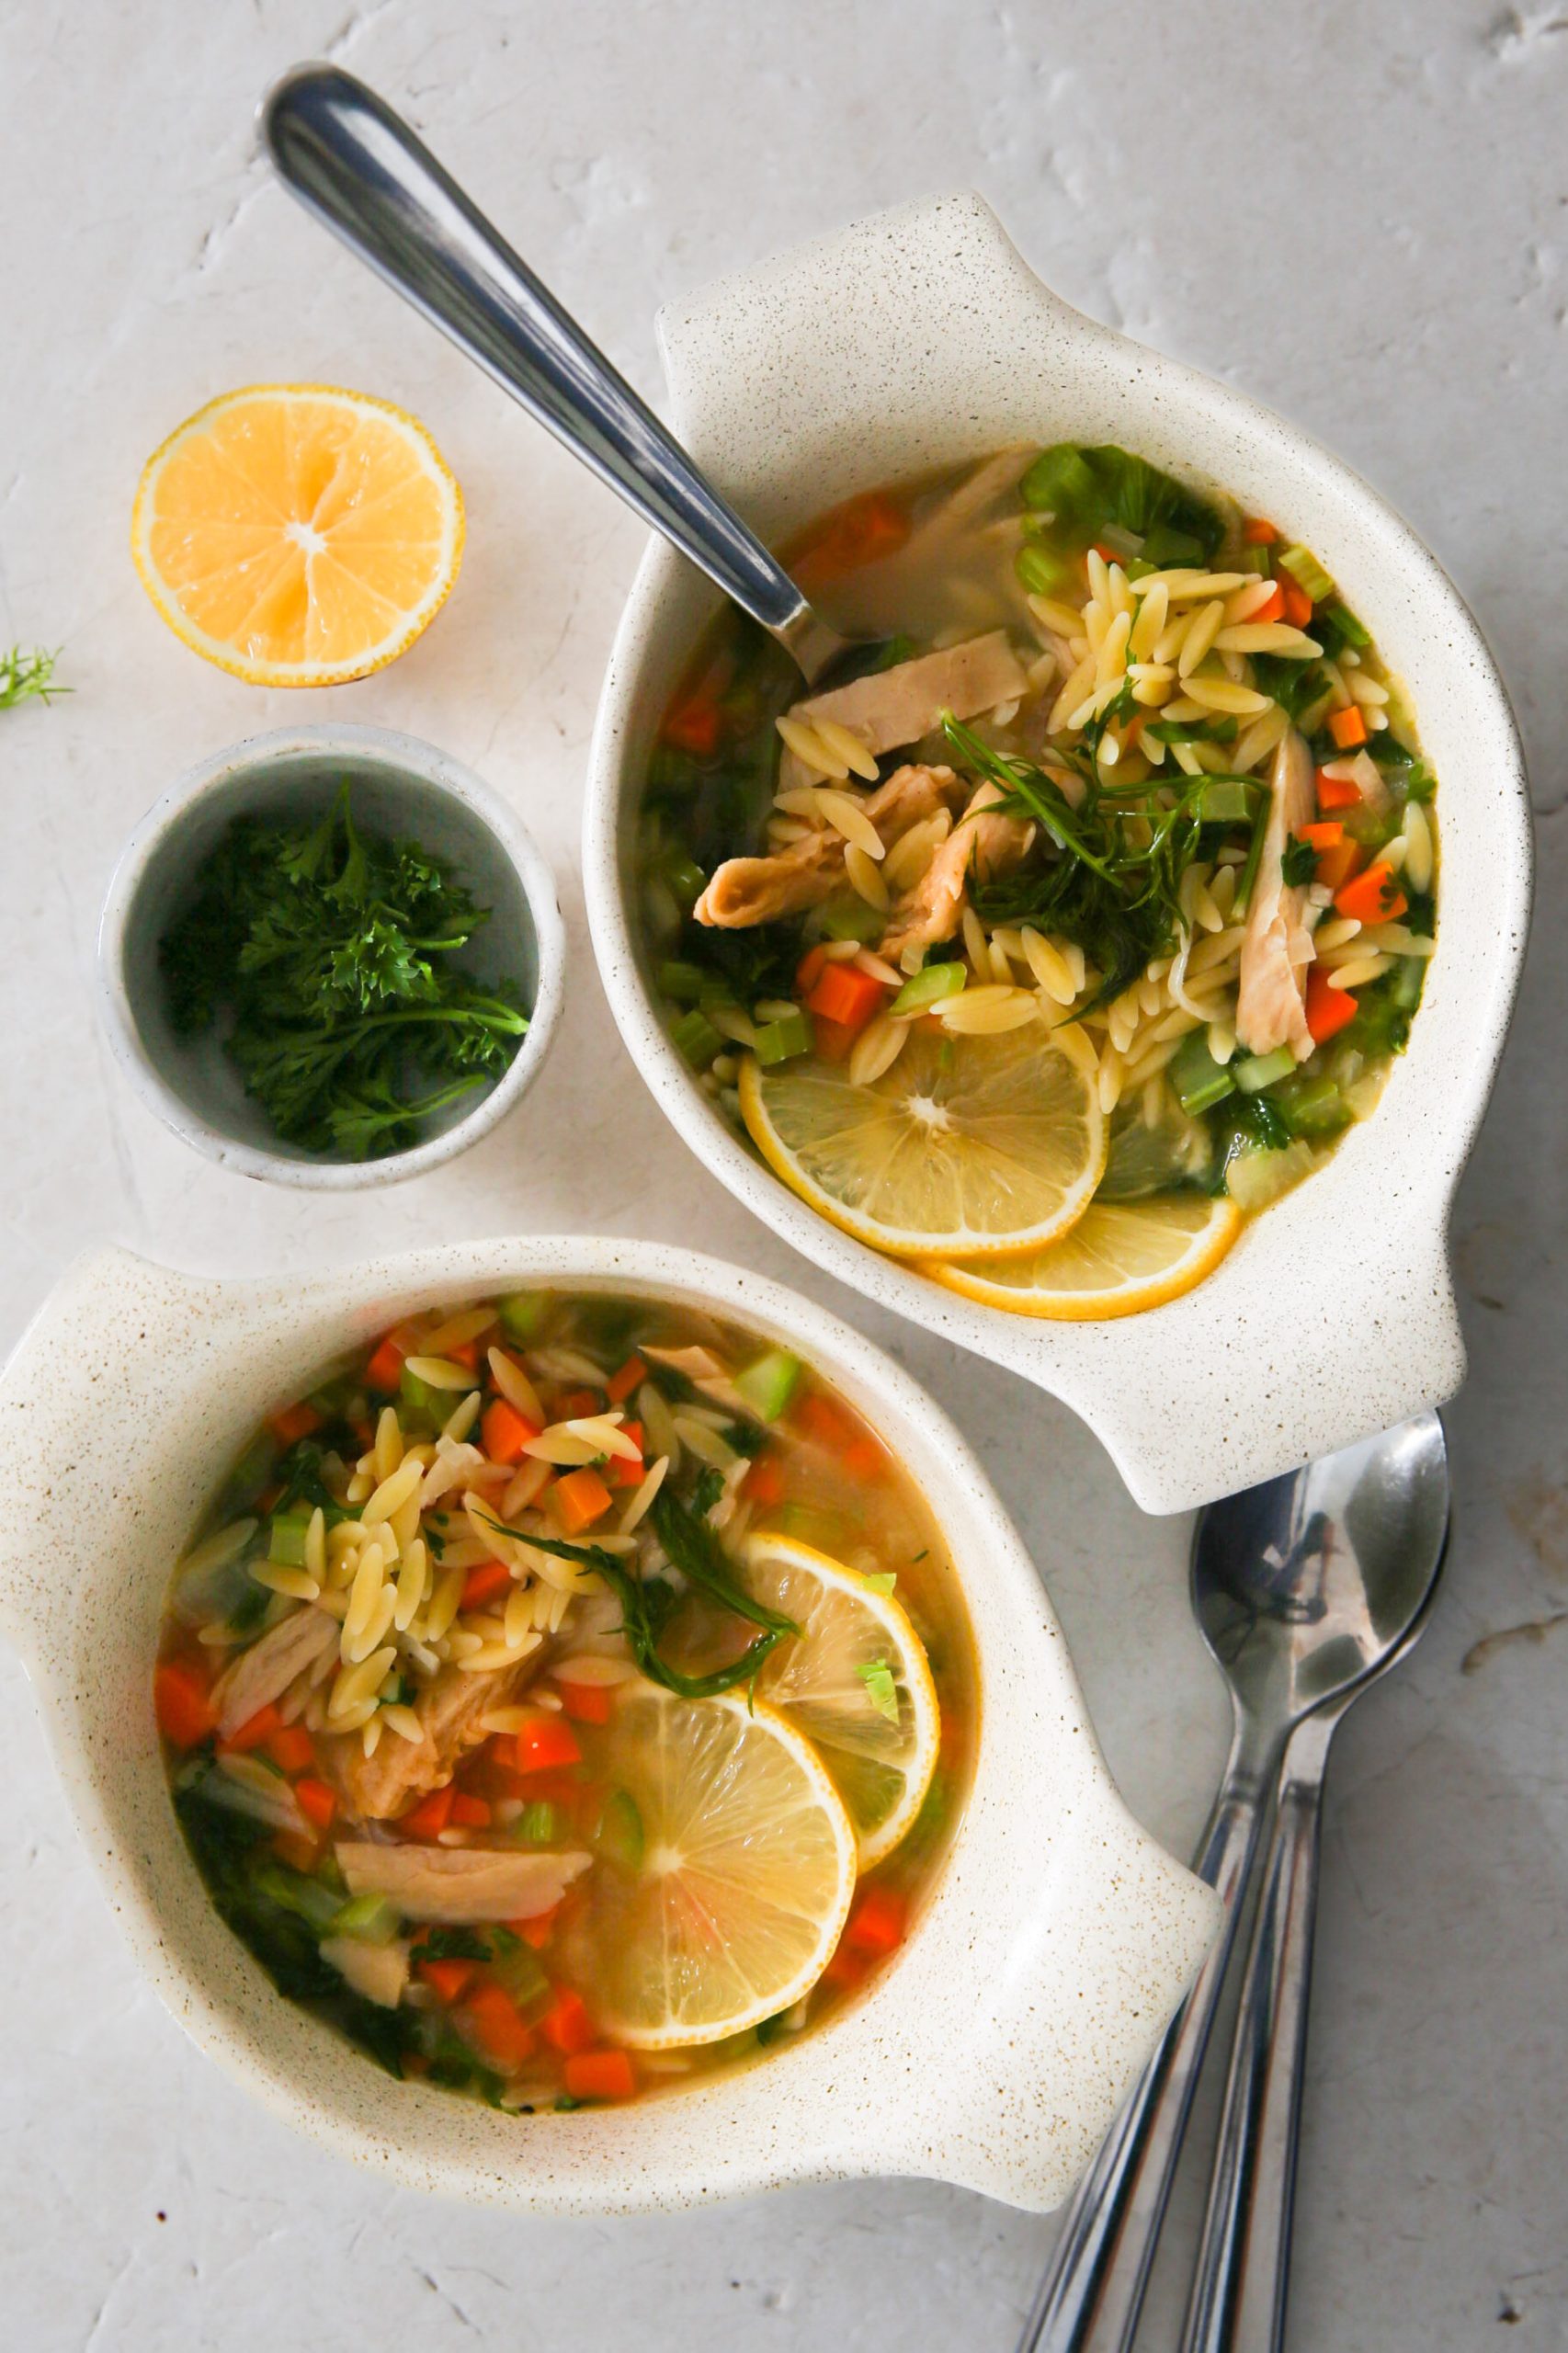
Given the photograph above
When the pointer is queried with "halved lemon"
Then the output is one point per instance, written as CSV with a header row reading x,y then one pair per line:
x,y
968,1146
742,1887
297,535
1120,1257
858,1685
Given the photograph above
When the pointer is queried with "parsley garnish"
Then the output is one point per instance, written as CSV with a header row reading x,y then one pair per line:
x,y
330,953
1298,861
880,1688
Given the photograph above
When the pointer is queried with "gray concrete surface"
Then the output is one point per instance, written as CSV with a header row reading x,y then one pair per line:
x,y
1357,214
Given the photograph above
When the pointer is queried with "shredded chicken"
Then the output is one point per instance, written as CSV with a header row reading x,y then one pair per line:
x,y
746,890
459,1884
263,1673
1277,947
933,909
898,706
379,1972
451,1713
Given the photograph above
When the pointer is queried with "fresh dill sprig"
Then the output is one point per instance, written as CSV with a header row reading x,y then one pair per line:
x,y
1110,877
26,673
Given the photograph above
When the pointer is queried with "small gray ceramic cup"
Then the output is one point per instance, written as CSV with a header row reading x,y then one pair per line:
x,y
401,786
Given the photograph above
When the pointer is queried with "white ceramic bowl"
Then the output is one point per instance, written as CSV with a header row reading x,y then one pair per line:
x,y
401,786
991,2053
920,338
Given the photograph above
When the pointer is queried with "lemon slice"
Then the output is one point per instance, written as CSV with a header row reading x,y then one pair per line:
x,y
856,1684
297,535
740,1891
969,1146
1120,1257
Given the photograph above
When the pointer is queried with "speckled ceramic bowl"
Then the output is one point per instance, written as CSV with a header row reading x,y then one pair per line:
x,y
920,338
401,786
990,2053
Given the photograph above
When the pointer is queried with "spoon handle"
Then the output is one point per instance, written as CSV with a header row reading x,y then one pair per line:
x,y
1093,2293
359,167
1238,2293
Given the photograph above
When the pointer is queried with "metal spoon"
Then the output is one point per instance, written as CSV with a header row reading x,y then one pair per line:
x,y
1304,1590
359,167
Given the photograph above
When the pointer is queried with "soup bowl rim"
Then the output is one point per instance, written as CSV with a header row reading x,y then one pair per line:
x,y
1095,1904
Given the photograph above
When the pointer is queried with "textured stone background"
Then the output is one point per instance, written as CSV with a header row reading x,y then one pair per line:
x,y
1356,213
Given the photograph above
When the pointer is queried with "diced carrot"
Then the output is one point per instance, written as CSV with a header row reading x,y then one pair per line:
x,y
861,531
620,1385
1258,532
1347,727
483,1582
578,1402
470,1813
254,1732
291,1749
182,1703
466,1352
823,1419
316,1802
693,725
877,1922
385,1368
504,1432
294,1422
298,1850
580,1498
537,1931
451,1979
845,995
600,2074
1298,604
807,968
1374,896
1272,608
1106,554
864,1459
845,1968
1337,791
621,1472
1326,835
764,1483
565,2026
1328,1008
1336,866
430,1817
545,1743
832,1040
502,2031
587,1703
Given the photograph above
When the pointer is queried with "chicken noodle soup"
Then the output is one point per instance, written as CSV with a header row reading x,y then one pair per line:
x,y
1083,911
569,1696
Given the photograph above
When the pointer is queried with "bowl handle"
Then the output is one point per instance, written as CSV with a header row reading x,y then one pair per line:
x,y
118,1348
1117,1932
797,352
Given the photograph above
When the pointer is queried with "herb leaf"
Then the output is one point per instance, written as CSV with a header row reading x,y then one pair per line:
x,y
880,1688
27,673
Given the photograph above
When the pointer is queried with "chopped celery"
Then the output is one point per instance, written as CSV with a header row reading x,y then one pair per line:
x,y
685,878
879,1580
370,1918
1257,1071
420,1398
1407,981
777,1041
1307,573
521,1971
538,1822
769,1383
686,982
1199,1081
930,986
854,919
285,1538
1042,574
317,1905
1251,559
1311,1106
523,1316
620,1837
1224,800
1061,481
695,1037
